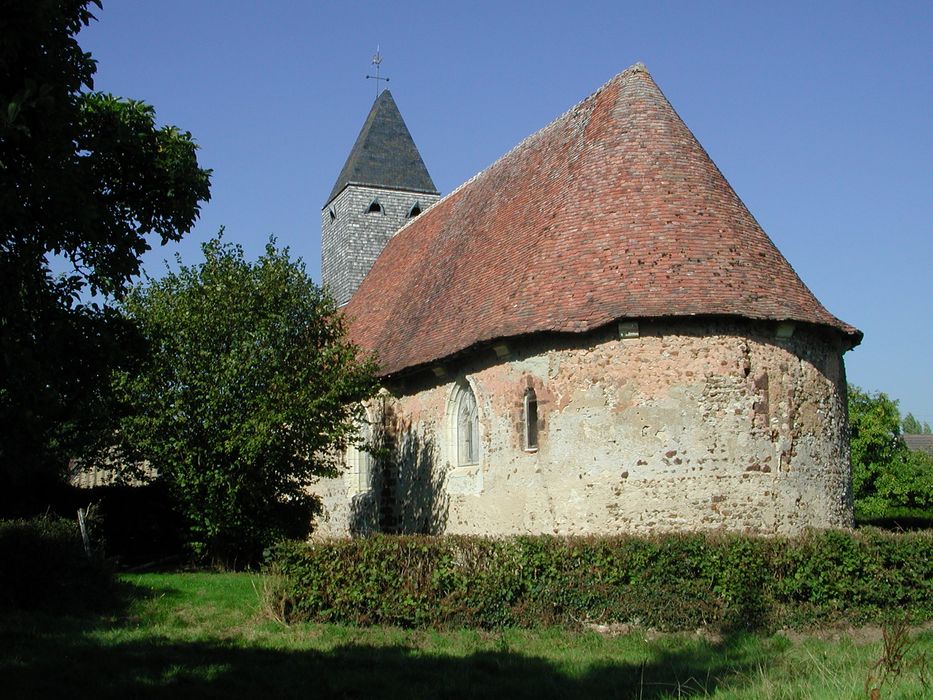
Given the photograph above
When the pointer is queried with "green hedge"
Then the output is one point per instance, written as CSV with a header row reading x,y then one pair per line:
x,y
43,565
669,582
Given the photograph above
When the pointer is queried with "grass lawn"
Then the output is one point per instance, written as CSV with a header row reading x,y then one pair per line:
x,y
202,635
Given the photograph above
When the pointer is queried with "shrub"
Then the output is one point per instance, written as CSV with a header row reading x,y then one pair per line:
x,y
669,582
45,566
252,391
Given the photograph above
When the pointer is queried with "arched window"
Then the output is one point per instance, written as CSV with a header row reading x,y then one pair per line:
x,y
415,210
375,207
333,214
530,420
466,428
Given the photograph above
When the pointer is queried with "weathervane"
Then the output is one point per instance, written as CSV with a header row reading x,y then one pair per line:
x,y
377,60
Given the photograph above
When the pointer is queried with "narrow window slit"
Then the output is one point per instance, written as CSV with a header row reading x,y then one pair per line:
x,y
530,416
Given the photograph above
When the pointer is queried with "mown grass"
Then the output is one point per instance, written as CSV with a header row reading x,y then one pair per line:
x,y
203,635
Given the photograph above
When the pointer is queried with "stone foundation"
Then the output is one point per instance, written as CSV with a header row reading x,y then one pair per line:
x,y
679,425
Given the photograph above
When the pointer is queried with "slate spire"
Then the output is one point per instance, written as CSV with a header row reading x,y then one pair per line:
x,y
382,186
384,154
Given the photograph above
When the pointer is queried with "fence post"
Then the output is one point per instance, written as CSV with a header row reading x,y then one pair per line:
x,y
84,537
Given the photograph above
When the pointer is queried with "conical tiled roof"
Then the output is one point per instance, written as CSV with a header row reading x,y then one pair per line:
x,y
612,211
384,154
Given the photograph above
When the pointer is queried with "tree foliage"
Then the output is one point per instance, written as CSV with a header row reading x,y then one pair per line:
x,y
85,177
252,391
885,473
912,426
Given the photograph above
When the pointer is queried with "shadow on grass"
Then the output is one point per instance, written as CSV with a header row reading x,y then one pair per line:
x,y
103,658
910,522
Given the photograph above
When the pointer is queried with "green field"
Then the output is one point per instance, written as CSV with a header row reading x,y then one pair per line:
x,y
204,635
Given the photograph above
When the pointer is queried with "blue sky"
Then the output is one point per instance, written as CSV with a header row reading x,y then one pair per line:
x,y
818,114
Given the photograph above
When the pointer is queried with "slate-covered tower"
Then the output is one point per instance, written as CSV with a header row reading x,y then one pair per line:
x,y
383,184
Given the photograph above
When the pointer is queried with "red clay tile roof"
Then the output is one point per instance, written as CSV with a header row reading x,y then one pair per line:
x,y
612,211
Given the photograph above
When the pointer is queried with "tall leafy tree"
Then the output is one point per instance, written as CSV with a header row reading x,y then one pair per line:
x,y
252,391
85,177
885,474
912,426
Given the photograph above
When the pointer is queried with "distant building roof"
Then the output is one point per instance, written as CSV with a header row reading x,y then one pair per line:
x,y
612,211
384,154
921,443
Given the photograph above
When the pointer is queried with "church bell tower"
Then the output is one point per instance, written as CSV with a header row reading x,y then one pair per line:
x,y
383,185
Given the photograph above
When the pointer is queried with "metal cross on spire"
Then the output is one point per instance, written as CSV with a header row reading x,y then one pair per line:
x,y
377,61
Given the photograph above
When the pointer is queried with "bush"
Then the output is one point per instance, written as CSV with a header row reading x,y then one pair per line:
x,y
670,582
251,392
45,566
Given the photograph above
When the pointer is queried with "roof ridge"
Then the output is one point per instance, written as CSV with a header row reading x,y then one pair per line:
x,y
637,67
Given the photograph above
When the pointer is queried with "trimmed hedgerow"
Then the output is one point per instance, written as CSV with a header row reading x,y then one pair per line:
x,y
43,564
670,582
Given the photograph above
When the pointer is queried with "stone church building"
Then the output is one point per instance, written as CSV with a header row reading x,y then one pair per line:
x,y
591,336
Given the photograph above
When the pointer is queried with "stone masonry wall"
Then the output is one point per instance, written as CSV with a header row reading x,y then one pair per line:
x,y
691,425
352,237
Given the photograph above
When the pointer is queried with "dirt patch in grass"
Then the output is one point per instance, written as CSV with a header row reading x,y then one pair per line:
x,y
619,629
859,635
865,634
